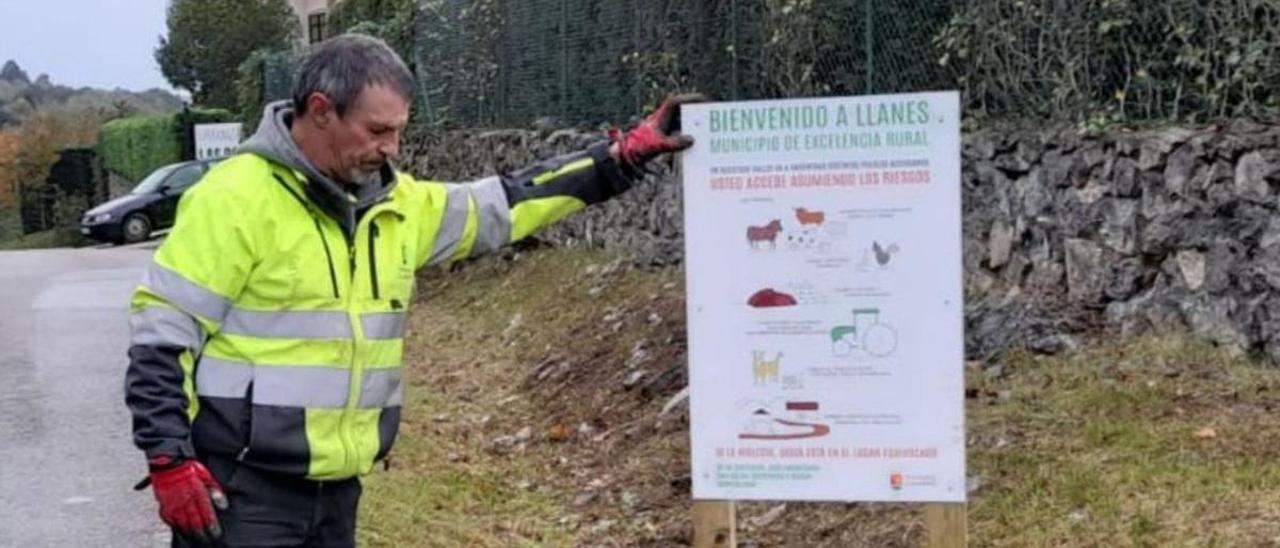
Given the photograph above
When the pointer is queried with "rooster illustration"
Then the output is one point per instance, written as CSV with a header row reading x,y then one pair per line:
x,y
883,255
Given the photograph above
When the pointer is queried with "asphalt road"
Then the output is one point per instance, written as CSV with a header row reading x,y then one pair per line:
x,y
67,465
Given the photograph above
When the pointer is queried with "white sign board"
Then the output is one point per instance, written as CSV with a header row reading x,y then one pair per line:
x,y
216,140
825,299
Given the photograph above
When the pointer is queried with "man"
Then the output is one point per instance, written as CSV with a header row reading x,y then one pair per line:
x,y
265,372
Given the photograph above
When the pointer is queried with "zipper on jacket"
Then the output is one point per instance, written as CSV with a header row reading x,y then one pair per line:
x,y
333,275
373,259
349,445
344,421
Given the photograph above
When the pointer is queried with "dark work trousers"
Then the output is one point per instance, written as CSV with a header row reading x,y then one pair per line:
x,y
269,509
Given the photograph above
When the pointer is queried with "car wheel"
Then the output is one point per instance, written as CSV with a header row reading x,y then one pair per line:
x,y
136,228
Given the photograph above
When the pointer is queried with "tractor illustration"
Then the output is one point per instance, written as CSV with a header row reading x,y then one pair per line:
x,y
866,333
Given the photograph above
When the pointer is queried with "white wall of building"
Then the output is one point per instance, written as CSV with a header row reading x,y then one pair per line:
x,y
304,9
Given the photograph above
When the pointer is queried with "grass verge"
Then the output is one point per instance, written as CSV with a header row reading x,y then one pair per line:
x,y
533,419
58,237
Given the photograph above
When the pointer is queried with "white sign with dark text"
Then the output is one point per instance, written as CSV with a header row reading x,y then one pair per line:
x,y
825,304
216,140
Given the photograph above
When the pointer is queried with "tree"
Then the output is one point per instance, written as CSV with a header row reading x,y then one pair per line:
x,y
208,39
48,131
390,20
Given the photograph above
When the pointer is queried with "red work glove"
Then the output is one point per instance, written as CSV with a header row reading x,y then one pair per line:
x,y
655,135
187,493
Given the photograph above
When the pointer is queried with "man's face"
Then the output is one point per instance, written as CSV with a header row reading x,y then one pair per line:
x,y
368,135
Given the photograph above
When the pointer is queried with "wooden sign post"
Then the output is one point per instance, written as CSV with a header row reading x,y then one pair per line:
x,y
715,524
946,525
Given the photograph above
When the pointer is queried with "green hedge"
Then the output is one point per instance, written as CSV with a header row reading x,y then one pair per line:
x,y
134,147
249,89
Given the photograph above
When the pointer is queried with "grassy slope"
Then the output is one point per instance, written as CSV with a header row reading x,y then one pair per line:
x,y
1106,447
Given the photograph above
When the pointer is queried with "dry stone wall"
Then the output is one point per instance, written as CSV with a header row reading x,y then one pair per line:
x,y
1166,231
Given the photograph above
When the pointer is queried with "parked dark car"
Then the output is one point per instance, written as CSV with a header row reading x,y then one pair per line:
x,y
149,207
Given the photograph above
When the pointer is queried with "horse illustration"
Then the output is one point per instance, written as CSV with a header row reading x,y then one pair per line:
x,y
766,233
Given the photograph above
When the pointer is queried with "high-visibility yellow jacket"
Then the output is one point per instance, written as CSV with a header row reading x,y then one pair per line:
x,y
266,332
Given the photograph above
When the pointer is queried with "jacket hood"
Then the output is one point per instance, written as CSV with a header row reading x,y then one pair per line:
x,y
345,203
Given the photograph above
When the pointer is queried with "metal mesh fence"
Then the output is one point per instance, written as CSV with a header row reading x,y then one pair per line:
x,y
504,63
512,63
277,76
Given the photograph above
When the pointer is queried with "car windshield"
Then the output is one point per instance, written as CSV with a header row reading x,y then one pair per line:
x,y
152,182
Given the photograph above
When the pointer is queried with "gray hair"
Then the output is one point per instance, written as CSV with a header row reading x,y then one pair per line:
x,y
343,66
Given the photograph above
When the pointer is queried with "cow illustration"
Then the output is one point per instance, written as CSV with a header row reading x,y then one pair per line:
x,y
807,217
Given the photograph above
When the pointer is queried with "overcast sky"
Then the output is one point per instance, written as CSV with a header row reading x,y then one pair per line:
x,y
96,43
